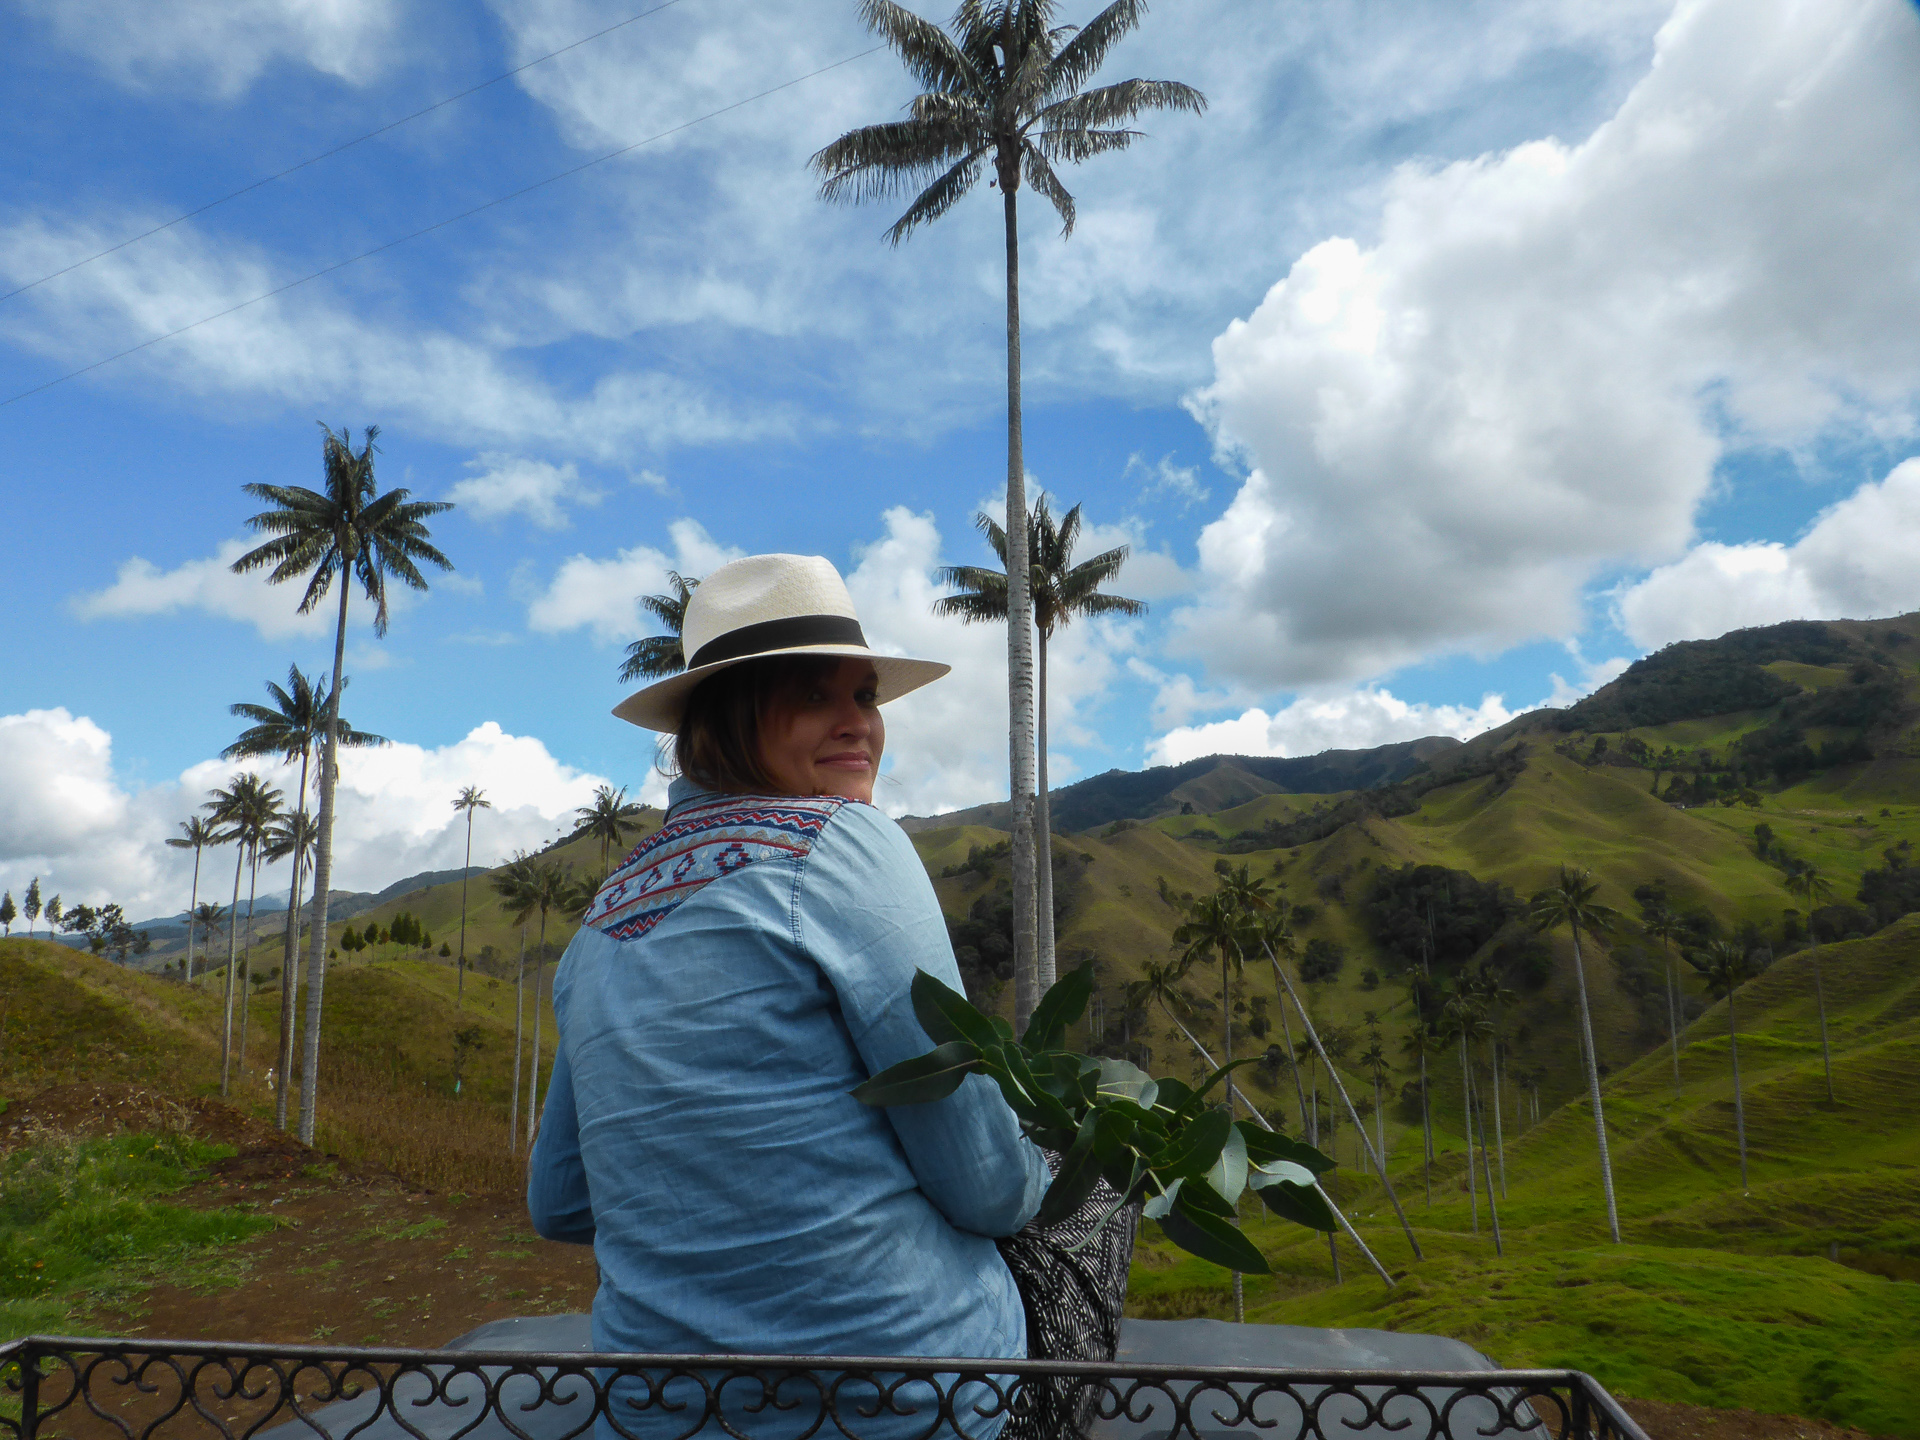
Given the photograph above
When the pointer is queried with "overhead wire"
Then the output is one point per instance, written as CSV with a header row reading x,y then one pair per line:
x,y
437,225
336,150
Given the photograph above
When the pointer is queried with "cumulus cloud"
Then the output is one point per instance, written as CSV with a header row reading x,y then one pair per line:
x,y
604,595
1529,376
1356,720
1856,562
223,48
509,484
69,818
209,586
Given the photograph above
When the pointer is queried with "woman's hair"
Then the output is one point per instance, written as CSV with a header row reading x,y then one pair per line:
x,y
718,742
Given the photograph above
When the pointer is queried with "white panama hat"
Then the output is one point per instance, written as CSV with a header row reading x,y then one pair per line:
x,y
768,605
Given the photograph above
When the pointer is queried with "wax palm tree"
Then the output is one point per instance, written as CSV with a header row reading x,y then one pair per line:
x,y
547,888
1159,985
1062,590
1463,1019
209,919
470,799
1373,1060
289,728
352,533
195,835
514,884
1218,926
1813,890
1418,1043
1725,969
1003,88
243,811
1266,936
295,836
608,819
1569,901
1495,996
1666,927
657,655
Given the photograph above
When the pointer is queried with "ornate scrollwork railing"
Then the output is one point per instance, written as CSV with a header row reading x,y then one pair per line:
x,y
89,1389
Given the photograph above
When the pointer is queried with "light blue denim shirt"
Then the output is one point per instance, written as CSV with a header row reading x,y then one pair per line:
x,y
739,973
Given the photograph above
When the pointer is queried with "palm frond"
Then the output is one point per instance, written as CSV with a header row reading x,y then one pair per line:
x,y
1047,185
937,198
1076,61
924,48
877,162
1115,104
1073,146
653,657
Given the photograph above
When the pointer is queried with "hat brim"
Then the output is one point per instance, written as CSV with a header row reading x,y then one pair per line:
x,y
660,705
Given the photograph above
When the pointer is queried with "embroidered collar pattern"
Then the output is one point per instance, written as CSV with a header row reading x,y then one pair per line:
x,y
701,843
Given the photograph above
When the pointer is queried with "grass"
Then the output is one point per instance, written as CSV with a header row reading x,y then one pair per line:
x,y
84,1219
1720,1297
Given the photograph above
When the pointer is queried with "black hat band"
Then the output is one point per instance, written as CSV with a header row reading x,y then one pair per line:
x,y
789,633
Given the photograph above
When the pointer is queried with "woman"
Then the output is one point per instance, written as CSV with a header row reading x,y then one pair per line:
x,y
742,971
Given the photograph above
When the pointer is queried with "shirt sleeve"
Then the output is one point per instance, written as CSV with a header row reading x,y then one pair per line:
x,y
558,1202
865,912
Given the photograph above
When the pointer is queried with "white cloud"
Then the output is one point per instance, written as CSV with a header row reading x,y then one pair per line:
x,y
605,594
66,817
1163,477
141,588
1855,562
1354,720
1529,377
315,348
223,48
510,484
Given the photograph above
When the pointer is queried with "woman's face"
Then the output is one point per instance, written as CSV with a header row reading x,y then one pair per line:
x,y
827,739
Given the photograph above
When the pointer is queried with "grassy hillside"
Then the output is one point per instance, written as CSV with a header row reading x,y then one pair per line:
x,y
1796,1296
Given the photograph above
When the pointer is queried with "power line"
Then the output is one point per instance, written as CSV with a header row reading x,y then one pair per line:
x,y
329,154
437,225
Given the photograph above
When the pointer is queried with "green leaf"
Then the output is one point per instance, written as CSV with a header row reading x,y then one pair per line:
x,y
1111,1132
1159,1206
1263,1146
1173,1094
932,1076
1047,1108
1079,1173
1301,1204
1194,1148
1192,1102
1002,1028
945,1014
1212,1237
1063,1004
1127,1081
1228,1176
1199,1195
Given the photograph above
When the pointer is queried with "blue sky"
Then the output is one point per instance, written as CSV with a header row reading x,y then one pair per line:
x,y
1460,353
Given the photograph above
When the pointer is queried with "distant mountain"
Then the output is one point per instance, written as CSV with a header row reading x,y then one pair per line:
x,y
1216,782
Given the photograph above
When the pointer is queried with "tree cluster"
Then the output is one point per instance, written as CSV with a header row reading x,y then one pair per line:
x,y
1430,915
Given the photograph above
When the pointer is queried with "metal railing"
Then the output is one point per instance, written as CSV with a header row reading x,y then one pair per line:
x,y
189,1390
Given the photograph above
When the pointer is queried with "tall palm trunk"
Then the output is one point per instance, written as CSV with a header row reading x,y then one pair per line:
x,y
1593,1089
1466,1117
1486,1171
1426,1127
460,965
290,964
323,871
246,990
1043,829
519,1006
1226,1010
192,906
1499,1125
1379,1158
1379,1117
1739,1106
1820,1000
1030,982
233,940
